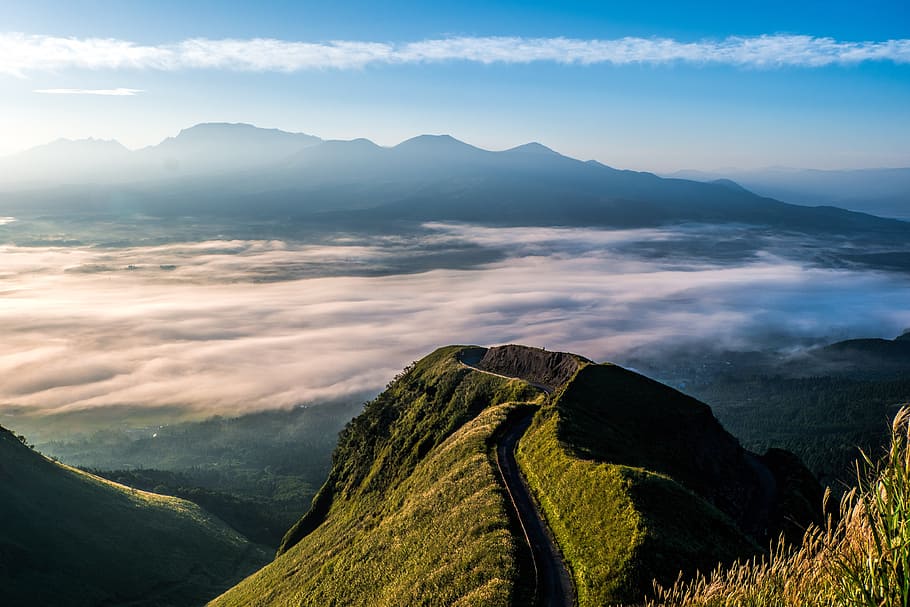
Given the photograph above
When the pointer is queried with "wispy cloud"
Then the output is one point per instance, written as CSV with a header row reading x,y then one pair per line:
x,y
23,53
111,92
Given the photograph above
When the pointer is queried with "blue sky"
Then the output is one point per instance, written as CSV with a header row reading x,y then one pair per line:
x,y
786,105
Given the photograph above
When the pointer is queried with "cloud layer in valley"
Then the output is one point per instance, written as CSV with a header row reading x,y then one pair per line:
x,y
22,53
193,325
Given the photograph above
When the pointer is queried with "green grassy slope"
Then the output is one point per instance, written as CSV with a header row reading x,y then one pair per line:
x,y
638,481
71,538
413,512
618,526
256,472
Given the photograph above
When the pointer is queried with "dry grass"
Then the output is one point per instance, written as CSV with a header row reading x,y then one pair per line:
x,y
862,559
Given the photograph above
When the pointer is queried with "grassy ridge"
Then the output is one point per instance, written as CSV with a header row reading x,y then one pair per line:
x,y
619,526
421,407
587,508
413,513
439,538
68,537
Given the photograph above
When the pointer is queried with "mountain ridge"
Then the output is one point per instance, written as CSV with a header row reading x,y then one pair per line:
x,y
356,183
410,435
881,191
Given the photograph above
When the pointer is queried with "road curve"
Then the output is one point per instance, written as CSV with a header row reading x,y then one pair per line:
x,y
554,587
554,583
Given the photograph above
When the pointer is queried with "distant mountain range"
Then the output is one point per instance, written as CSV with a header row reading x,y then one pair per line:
x,y
208,148
237,170
884,192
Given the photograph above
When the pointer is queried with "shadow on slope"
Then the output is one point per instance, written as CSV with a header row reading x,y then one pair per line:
x,y
639,481
71,538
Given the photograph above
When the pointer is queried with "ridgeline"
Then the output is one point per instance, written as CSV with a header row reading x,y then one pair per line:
x,y
634,480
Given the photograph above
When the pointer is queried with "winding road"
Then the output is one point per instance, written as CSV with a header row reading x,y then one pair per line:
x,y
554,587
554,583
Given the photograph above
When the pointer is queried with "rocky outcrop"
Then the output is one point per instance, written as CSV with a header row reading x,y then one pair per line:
x,y
534,365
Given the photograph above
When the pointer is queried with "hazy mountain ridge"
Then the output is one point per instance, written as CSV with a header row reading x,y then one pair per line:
x,y
880,191
240,171
206,148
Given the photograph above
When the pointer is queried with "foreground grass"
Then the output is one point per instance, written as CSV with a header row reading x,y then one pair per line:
x,y
417,515
862,560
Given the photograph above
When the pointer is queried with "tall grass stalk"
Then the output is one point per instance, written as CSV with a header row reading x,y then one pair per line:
x,y
861,558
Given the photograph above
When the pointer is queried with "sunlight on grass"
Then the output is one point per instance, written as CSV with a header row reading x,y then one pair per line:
x,y
417,514
861,559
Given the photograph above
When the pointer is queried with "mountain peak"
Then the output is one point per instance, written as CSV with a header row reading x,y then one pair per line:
x,y
729,184
219,126
432,141
88,142
360,142
533,147
207,130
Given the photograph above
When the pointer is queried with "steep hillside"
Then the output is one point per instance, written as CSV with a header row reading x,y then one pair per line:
x,y
70,538
414,511
223,464
823,404
656,475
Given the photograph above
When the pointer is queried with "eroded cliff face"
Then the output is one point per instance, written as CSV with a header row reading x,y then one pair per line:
x,y
534,365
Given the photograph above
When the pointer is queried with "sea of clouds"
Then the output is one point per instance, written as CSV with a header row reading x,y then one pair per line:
x,y
231,326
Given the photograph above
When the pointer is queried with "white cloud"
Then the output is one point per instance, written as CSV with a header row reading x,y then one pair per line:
x,y
112,92
82,331
22,53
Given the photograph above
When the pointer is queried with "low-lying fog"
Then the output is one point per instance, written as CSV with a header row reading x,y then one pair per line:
x,y
230,326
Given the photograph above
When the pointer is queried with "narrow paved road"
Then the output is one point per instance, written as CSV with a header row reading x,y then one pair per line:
x,y
551,575
554,584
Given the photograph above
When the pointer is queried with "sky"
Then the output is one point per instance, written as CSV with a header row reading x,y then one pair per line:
x,y
653,85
